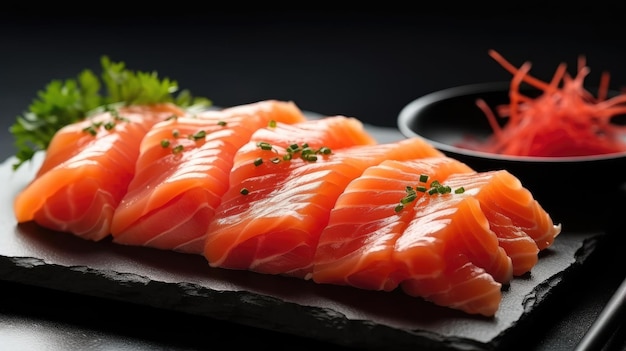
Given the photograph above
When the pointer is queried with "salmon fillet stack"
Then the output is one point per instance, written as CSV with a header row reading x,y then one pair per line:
x,y
260,187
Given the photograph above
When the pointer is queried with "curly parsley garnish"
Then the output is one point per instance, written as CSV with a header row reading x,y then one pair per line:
x,y
63,102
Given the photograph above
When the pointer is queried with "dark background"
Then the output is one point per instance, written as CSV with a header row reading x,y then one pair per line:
x,y
365,64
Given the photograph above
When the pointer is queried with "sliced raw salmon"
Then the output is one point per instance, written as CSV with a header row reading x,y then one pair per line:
x,y
451,223
461,285
86,170
492,202
356,247
183,171
259,187
454,249
333,132
523,227
452,231
274,225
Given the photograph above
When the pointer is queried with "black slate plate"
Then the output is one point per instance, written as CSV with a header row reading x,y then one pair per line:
x,y
341,315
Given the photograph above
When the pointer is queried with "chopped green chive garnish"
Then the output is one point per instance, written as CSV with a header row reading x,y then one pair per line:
x,y
221,123
408,199
264,145
421,188
165,143
91,130
435,188
272,124
175,133
244,191
258,161
177,149
325,150
198,135
305,152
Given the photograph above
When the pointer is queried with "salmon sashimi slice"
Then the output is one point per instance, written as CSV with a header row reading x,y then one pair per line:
x,y
331,132
183,171
447,227
438,247
461,285
356,247
521,224
86,171
275,227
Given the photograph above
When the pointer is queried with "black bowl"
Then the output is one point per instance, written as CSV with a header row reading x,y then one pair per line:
x,y
563,185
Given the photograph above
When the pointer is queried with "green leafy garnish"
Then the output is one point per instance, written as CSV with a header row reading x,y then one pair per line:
x,y
304,151
435,188
63,102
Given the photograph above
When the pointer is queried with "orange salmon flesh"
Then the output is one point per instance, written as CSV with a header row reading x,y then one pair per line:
x,y
261,187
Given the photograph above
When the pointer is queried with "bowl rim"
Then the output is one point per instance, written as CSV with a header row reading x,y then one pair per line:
x,y
410,111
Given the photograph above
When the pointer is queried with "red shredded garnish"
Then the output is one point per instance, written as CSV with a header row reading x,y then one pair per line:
x,y
564,120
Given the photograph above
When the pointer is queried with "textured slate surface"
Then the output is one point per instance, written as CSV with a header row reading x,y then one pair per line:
x,y
342,315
